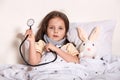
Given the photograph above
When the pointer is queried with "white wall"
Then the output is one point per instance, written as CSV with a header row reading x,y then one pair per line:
x,y
14,14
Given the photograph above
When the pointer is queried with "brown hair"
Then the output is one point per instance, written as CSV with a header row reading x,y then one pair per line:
x,y
44,23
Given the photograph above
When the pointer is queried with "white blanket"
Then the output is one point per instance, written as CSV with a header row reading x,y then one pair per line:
x,y
88,69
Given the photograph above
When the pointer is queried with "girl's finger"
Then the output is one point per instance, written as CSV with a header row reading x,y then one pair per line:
x,y
28,32
47,48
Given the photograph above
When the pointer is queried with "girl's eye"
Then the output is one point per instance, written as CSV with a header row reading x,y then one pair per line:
x,y
50,27
60,28
93,44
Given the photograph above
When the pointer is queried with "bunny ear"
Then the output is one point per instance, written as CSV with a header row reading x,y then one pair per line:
x,y
94,34
82,34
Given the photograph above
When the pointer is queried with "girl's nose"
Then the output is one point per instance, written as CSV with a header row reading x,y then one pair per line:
x,y
55,30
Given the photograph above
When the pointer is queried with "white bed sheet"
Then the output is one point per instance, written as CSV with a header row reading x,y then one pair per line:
x,y
88,69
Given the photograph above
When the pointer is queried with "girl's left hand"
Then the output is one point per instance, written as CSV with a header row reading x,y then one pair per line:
x,y
49,47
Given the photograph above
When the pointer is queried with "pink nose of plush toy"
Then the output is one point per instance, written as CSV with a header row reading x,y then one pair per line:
x,y
88,49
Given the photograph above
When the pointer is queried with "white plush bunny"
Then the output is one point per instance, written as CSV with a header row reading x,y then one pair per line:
x,y
88,47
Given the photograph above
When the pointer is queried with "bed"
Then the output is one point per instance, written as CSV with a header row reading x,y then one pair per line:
x,y
88,69
106,67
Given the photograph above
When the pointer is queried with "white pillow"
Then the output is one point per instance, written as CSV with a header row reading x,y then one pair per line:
x,y
104,40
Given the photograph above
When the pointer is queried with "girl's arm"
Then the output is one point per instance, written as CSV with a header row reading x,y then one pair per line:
x,y
67,57
34,57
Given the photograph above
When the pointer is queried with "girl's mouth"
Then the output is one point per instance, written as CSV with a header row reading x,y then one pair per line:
x,y
55,36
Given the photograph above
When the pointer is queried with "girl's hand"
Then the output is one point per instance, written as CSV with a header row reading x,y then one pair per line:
x,y
51,47
30,34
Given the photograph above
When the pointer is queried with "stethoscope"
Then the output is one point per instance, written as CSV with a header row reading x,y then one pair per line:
x,y
30,23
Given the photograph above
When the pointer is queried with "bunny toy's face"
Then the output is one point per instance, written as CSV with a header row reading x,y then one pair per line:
x,y
88,48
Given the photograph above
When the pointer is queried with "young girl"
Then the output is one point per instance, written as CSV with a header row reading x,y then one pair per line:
x,y
50,36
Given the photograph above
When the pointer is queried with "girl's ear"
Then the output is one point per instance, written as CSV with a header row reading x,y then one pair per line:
x,y
82,34
94,34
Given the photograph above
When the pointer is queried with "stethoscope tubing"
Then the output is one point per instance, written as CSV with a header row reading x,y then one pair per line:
x,y
21,53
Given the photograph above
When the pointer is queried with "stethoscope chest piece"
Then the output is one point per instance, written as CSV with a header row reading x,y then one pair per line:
x,y
30,22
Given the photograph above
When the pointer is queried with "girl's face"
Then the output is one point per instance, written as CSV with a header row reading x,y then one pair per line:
x,y
56,29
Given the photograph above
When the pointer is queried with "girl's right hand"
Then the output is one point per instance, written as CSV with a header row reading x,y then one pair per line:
x,y
30,34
